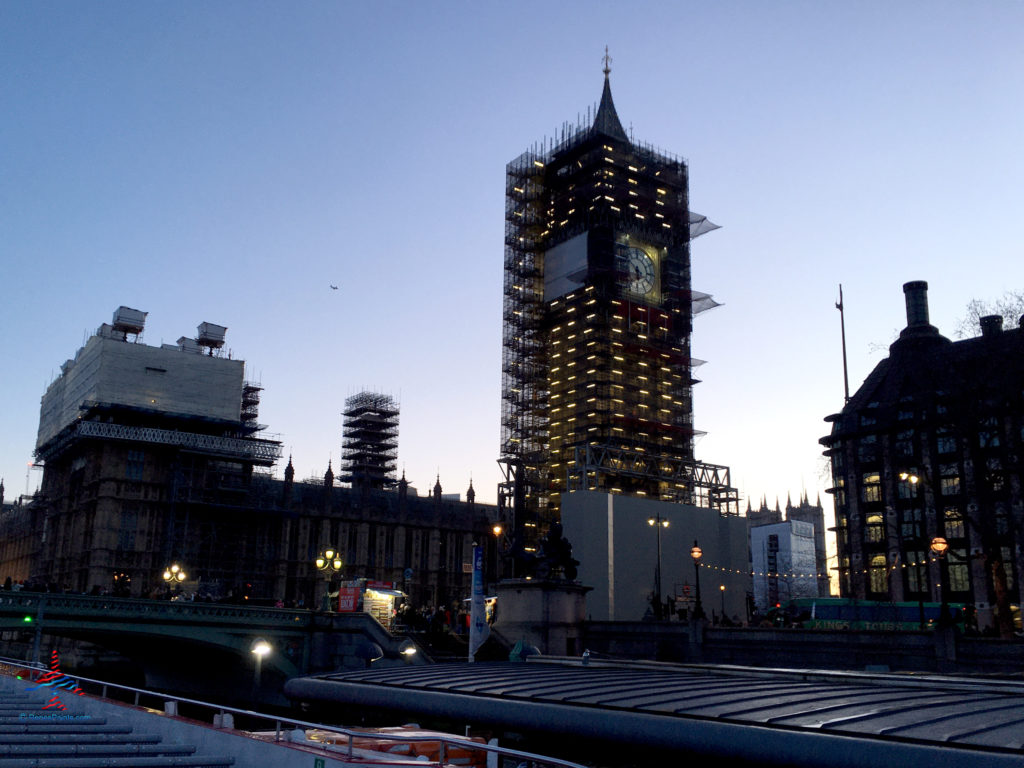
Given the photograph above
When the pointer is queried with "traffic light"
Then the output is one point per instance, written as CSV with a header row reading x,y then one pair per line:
x,y
27,619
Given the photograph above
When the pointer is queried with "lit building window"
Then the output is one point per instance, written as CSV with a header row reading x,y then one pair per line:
x,y
949,484
874,528
877,574
871,488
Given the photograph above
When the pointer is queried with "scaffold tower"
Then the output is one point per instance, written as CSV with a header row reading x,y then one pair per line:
x,y
370,440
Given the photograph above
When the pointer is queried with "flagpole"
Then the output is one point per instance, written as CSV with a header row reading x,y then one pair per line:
x,y
842,326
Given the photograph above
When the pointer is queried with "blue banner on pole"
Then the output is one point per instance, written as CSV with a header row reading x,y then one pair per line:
x,y
479,629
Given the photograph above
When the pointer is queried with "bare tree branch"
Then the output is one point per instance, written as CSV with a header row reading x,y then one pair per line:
x,y
1010,305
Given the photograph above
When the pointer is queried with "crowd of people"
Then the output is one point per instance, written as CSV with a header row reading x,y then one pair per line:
x,y
434,620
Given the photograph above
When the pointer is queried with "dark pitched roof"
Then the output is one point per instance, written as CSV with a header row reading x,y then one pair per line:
x,y
927,364
607,121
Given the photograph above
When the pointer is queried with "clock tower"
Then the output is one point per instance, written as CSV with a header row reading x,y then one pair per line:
x,y
598,309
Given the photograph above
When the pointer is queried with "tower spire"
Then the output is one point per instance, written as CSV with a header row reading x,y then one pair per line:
x,y
607,120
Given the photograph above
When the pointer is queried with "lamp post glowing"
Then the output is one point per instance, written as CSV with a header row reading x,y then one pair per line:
x,y
260,648
939,547
174,574
721,588
329,562
657,522
696,553
501,552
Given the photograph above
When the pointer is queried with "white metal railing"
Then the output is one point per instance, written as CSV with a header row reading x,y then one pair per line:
x,y
252,448
446,743
255,449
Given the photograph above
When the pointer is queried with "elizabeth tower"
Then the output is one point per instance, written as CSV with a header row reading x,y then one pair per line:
x,y
598,309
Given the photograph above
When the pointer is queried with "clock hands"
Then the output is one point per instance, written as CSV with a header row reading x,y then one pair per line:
x,y
639,270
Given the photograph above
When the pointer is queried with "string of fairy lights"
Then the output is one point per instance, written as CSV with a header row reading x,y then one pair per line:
x,y
813,575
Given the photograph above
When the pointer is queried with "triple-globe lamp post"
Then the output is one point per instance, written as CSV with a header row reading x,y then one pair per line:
x,y
328,562
174,575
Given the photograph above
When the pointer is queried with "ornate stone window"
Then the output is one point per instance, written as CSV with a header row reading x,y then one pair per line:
x,y
874,528
871,487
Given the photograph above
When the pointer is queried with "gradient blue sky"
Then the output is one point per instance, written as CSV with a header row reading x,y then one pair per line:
x,y
227,161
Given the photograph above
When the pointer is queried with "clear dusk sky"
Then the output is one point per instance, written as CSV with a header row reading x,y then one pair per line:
x,y
229,161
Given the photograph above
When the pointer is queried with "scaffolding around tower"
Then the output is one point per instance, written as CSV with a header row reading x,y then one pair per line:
x,y
596,351
251,406
524,418
370,440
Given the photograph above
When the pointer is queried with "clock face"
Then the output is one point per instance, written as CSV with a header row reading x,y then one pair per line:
x,y
640,268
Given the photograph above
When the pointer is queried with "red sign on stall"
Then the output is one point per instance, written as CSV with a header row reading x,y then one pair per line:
x,y
348,599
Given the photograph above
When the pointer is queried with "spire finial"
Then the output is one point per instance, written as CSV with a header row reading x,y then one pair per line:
x,y
607,63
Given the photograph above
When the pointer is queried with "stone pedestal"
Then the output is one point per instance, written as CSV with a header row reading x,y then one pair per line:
x,y
546,614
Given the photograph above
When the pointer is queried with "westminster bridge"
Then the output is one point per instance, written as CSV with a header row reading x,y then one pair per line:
x,y
194,647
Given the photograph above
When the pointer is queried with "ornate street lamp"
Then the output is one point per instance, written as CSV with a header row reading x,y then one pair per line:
x,y
657,522
329,562
173,575
696,553
939,548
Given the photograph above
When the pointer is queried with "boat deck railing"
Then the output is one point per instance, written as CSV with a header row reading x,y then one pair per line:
x,y
223,718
